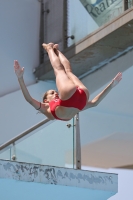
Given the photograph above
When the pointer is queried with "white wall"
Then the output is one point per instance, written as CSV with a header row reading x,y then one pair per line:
x,y
19,40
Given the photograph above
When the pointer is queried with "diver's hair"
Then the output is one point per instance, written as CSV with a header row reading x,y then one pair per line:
x,y
45,96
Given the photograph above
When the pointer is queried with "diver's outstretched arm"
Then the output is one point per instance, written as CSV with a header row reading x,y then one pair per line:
x,y
100,97
19,73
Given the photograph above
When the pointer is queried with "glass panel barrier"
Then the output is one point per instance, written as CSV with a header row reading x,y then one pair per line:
x,y
87,16
6,153
47,145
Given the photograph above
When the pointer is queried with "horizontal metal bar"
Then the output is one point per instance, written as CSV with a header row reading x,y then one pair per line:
x,y
23,134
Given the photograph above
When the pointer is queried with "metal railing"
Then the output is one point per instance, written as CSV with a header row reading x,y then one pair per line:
x,y
13,140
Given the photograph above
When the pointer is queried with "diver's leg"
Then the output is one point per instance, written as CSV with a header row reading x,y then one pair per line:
x,y
65,62
65,86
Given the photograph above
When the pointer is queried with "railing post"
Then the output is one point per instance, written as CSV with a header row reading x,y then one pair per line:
x,y
13,157
77,143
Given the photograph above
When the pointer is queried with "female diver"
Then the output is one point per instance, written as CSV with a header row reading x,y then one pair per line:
x,y
72,95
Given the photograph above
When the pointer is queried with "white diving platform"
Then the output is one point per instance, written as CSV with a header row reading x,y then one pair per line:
x,y
56,182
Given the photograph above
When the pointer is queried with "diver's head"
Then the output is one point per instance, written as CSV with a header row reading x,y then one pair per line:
x,y
50,95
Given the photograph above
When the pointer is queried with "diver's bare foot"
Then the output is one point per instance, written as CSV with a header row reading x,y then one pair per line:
x,y
48,46
44,46
56,46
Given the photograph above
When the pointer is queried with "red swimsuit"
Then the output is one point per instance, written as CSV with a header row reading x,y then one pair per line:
x,y
77,100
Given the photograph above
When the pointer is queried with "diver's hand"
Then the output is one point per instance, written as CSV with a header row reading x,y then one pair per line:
x,y
18,70
116,80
